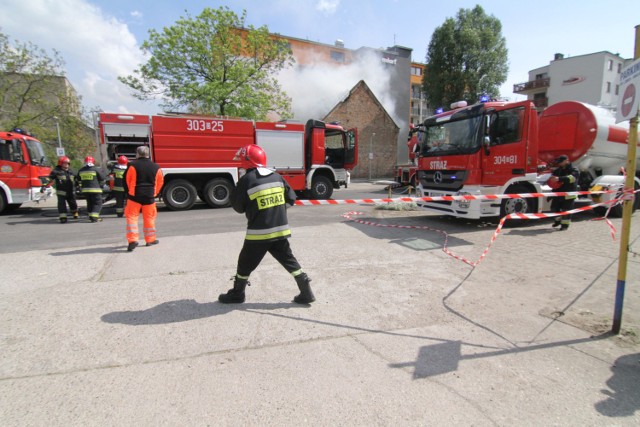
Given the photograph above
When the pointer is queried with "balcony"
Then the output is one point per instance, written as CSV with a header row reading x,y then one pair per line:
x,y
534,84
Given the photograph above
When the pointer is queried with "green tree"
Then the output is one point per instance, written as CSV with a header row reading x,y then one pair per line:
x,y
212,64
466,57
35,95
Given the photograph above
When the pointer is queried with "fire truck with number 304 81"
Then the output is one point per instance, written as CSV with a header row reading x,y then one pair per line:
x,y
196,153
497,148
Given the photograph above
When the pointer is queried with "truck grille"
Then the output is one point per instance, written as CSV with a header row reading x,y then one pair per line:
x,y
446,180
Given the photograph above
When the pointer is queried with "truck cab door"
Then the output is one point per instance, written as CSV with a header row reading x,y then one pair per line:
x,y
351,149
15,168
504,147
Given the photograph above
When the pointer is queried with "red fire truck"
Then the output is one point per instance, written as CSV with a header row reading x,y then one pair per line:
x,y
406,174
503,148
196,153
23,169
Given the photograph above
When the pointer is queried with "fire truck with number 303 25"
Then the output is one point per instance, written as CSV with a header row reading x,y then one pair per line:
x,y
497,148
196,153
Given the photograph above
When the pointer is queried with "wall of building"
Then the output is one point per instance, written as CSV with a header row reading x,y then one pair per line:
x,y
592,78
377,132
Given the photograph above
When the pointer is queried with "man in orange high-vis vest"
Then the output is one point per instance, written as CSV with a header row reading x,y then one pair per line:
x,y
143,181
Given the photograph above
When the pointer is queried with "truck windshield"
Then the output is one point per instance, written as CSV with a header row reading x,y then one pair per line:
x,y
452,137
36,153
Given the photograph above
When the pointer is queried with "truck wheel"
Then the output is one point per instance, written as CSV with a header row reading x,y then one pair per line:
x,y
217,192
3,202
321,188
179,195
518,205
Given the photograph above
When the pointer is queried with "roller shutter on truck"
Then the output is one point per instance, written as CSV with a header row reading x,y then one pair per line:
x,y
284,150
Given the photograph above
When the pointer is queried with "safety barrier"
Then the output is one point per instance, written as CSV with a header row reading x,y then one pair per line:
x,y
627,195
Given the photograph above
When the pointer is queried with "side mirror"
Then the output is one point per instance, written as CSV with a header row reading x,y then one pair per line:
x,y
486,142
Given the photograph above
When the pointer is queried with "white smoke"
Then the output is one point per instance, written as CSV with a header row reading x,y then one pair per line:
x,y
316,87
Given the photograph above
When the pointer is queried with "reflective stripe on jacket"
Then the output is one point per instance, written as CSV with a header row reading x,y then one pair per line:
x,y
568,177
62,180
91,179
118,177
262,197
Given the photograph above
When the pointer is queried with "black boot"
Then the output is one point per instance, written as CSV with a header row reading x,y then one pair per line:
x,y
235,295
305,296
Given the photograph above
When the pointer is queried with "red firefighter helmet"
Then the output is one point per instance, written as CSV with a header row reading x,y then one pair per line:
x,y
251,156
90,161
63,159
123,160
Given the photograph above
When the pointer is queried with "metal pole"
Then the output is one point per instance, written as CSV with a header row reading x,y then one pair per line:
x,y
58,129
371,153
627,208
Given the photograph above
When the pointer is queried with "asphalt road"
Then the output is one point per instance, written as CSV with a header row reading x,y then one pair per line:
x,y
36,226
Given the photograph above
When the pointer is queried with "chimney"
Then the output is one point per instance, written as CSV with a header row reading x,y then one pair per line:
x,y
558,56
339,43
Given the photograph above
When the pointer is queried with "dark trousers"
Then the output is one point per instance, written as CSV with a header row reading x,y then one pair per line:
x,y
94,204
119,195
560,204
252,254
62,205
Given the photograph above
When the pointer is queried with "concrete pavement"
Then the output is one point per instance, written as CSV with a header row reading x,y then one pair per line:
x,y
400,334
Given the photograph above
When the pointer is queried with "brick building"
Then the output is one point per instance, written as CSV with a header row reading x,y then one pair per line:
x,y
403,91
377,131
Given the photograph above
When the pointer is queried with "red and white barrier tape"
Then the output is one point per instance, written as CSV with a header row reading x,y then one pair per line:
x,y
349,215
448,198
445,248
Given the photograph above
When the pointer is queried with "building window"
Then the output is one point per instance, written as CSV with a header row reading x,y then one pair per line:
x,y
416,71
610,65
619,67
337,56
617,89
608,87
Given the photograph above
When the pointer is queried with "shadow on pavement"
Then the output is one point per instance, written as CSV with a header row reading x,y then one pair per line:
x,y
185,310
623,397
93,250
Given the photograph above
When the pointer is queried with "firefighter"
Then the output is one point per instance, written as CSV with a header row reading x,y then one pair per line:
x,y
566,180
262,196
63,179
91,180
143,181
116,178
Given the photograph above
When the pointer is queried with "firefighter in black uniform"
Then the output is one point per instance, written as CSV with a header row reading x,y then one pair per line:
x,y
91,180
63,180
262,196
116,176
565,177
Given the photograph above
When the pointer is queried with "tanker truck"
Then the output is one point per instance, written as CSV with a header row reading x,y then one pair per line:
x,y
498,148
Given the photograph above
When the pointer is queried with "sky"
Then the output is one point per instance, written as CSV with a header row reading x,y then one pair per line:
x,y
100,40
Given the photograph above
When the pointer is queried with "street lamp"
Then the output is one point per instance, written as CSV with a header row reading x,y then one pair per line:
x,y
58,129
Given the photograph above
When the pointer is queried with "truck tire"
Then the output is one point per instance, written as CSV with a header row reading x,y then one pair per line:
x,y
3,202
321,188
217,192
179,195
617,210
519,205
